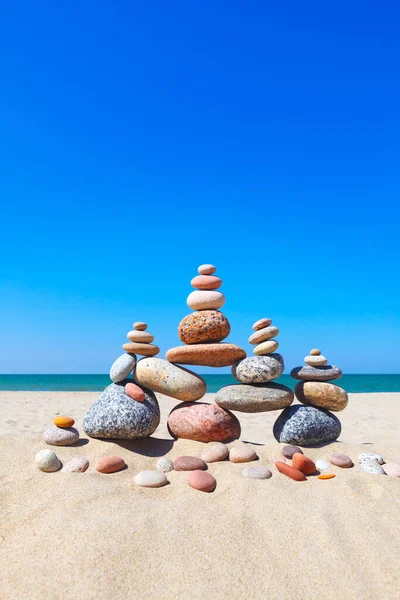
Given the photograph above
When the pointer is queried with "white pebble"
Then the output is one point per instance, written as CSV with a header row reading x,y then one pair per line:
x,y
322,464
164,465
370,456
150,479
372,467
47,461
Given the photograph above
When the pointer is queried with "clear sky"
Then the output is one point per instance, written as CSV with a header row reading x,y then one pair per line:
x,y
139,140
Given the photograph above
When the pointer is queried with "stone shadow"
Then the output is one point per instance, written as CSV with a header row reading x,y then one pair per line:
x,y
150,446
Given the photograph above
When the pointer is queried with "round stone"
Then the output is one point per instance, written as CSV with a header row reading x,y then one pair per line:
x,y
189,463
151,479
241,452
110,464
164,465
254,398
391,469
306,426
367,456
75,465
206,282
203,423
259,369
135,392
303,464
341,460
161,376
140,326
316,374
266,348
122,367
142,349
142,337
322,464
256,473
57,436
207,355
316,361
205,326
315,352
205,300
289,451
202,481
321,395
206,269
372,467
215,452
63,421
290,471
48,461
261,323
264,334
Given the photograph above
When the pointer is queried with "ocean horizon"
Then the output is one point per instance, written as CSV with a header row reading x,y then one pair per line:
x,y
363,383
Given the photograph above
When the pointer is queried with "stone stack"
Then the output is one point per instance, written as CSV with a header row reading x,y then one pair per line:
x,y
313,423
255,391
140,341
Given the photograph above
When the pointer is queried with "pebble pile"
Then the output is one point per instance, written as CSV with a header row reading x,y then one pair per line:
x,y
62,433
140,341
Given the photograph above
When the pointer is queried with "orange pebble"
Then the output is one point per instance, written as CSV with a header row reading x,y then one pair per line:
x,y
303,464
327,476
63,421
290,471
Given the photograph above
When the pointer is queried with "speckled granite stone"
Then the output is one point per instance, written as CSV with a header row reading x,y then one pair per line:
x,y
307,373
204,326
254,398
57,436
259,369
114,415
306,426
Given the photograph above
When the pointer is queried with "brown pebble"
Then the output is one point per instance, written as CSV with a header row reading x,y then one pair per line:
x,y
206,282
140,326
206,269
261,323
315,352
135,392
110,464
202,481
288,451
241,452
189,463
341,460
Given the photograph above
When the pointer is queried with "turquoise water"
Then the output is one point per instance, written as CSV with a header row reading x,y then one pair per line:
x,y
94,383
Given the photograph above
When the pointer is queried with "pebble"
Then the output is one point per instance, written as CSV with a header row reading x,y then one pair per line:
x,y
264,334
63,422
289,471
341,460
289,451
140,326
110,464
205,300
391,469
151,479
304,464
252,399
215,452
241,452
142,349
207,355
316,361
306,426
266,347
316,374
135,392
204,326
372,467
143,337
189,463
203,423
256,473
315,352
326,476
371,456
166,378
202,481
206,269
261,323
57,436
76,465
322,464
122,367
48,461
164,465
321,395
259,369
206,282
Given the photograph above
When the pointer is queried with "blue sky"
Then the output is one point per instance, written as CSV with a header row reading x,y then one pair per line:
x,y
140,140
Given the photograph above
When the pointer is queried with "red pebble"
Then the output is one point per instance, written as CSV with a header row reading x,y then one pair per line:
x,y
110,464
202,481
290,471
206,282
135,392
189,463
303,464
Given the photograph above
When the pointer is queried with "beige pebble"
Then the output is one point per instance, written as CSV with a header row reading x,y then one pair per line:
x,y
140,326
143,337
205,300
266,347
241,452
264,334
215,452
316,361
315,352
206,269
142,349
261,323
151,479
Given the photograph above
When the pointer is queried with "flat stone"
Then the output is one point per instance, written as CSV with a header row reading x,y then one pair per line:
x,y
264,334
306,426
259,369
304,464
372,467
76,465
204,326
289,451
189,463
205,300
261,323
208,355
140,326
203,423
290,471
48,461
135,392
322,464
122,367
313,374
341,460
110,464
57,436
242,452
114,415
316,361
166,378
206,282
254,398
202,481
315,352
266,347
164,465
256,473
326,476
206,269
321,395
63,421
371,456
150,479
142,349
142,337
215,452
391,469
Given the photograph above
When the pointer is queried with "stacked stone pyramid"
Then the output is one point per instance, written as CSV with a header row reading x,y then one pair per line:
x,y
140,341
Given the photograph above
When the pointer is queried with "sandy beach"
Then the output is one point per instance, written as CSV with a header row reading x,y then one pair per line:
x,y
97,536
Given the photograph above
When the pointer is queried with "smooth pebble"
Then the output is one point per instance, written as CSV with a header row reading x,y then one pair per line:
x,y
215,452
241,452
189,463
75,465
164,465
63,421
322,464
151,479
261,323
256,473
289,450
202,481
48,461
110,464
341,460
391,469
57,436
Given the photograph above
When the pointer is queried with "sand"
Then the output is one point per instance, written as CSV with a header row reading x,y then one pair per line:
x,y
94,536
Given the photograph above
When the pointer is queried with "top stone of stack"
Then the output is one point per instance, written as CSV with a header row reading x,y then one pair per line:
x,y
205,296
140,341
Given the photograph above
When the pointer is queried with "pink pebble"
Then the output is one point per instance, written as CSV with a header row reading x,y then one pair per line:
x,y
202,481
391,469
135,392
341,460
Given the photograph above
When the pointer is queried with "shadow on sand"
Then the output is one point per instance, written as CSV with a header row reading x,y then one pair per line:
x,y
147,446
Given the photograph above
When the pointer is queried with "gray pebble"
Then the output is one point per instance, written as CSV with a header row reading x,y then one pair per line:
x,y
48,461
164,465
122,367
61,436
256,473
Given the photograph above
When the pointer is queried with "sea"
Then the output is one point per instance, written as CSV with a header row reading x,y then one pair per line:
x,y
97,383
